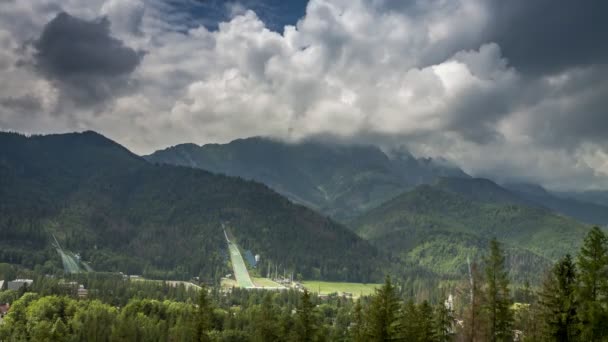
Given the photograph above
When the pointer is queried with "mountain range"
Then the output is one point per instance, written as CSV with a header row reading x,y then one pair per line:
x,y
161,215
338,180
344,181
125,214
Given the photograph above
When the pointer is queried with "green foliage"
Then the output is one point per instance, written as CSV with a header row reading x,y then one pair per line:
x,y
442,323
306,328
593,286
203,317
497,298
559,303
383,313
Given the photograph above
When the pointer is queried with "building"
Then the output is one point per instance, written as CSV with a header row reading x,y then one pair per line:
x,y
82,292
19,283
1,285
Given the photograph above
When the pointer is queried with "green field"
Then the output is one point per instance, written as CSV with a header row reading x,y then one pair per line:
x,y
265,282
324,287
173,283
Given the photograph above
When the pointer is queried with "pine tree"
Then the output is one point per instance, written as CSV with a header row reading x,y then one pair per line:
x,y
357,330
383,311
425,312
442,323
409,322
266,327
306,325
558,301
204,316
593,286
497,300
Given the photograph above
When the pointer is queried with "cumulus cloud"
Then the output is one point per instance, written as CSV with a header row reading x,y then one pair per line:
x,y
514,90
126,16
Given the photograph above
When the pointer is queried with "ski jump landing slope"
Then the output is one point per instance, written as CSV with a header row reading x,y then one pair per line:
x,y
238,264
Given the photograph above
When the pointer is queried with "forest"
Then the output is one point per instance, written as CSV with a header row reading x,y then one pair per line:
x,y
123,214
570,305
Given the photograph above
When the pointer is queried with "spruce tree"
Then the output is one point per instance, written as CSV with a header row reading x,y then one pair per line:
x,y
204,316
558,301
497,300
306,325
593,286
425,312
409,323
266,321
442,323
383,313
357,330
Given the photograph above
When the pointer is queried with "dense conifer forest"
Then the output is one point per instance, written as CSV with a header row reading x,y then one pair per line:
x,y
571,305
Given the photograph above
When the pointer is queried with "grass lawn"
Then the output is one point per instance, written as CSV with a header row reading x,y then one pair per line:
x,y
265,282
228,283
174,283
324,287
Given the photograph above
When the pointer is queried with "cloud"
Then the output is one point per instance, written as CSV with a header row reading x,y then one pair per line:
x,y
126,16
512,90
84,58
548,36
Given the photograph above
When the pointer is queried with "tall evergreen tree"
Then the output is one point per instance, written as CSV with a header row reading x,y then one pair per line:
x,y
204,317
558,301
266,321
409,322
593,286
497,300
306,324
357,330
383,313
442,323
425,312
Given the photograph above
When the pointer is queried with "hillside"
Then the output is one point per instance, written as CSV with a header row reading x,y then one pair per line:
x,y
593,196
581,209
125,214
339,180
438,226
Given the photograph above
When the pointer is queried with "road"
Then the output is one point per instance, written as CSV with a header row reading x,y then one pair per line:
x,y
238,264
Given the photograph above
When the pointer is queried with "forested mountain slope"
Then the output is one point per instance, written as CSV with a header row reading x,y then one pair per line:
x,y
338,180
125,214
581,207
439,226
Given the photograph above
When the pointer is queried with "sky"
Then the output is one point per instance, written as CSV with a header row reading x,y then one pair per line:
x,y
514,90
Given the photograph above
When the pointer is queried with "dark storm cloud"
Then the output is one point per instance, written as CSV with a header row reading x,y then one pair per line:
x,y
26,103
577,112
84,58
547,36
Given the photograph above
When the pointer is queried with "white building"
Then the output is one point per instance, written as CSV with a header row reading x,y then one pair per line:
x,y
19,283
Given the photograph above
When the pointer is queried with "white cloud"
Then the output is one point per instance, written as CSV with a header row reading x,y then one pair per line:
x,y
362,70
